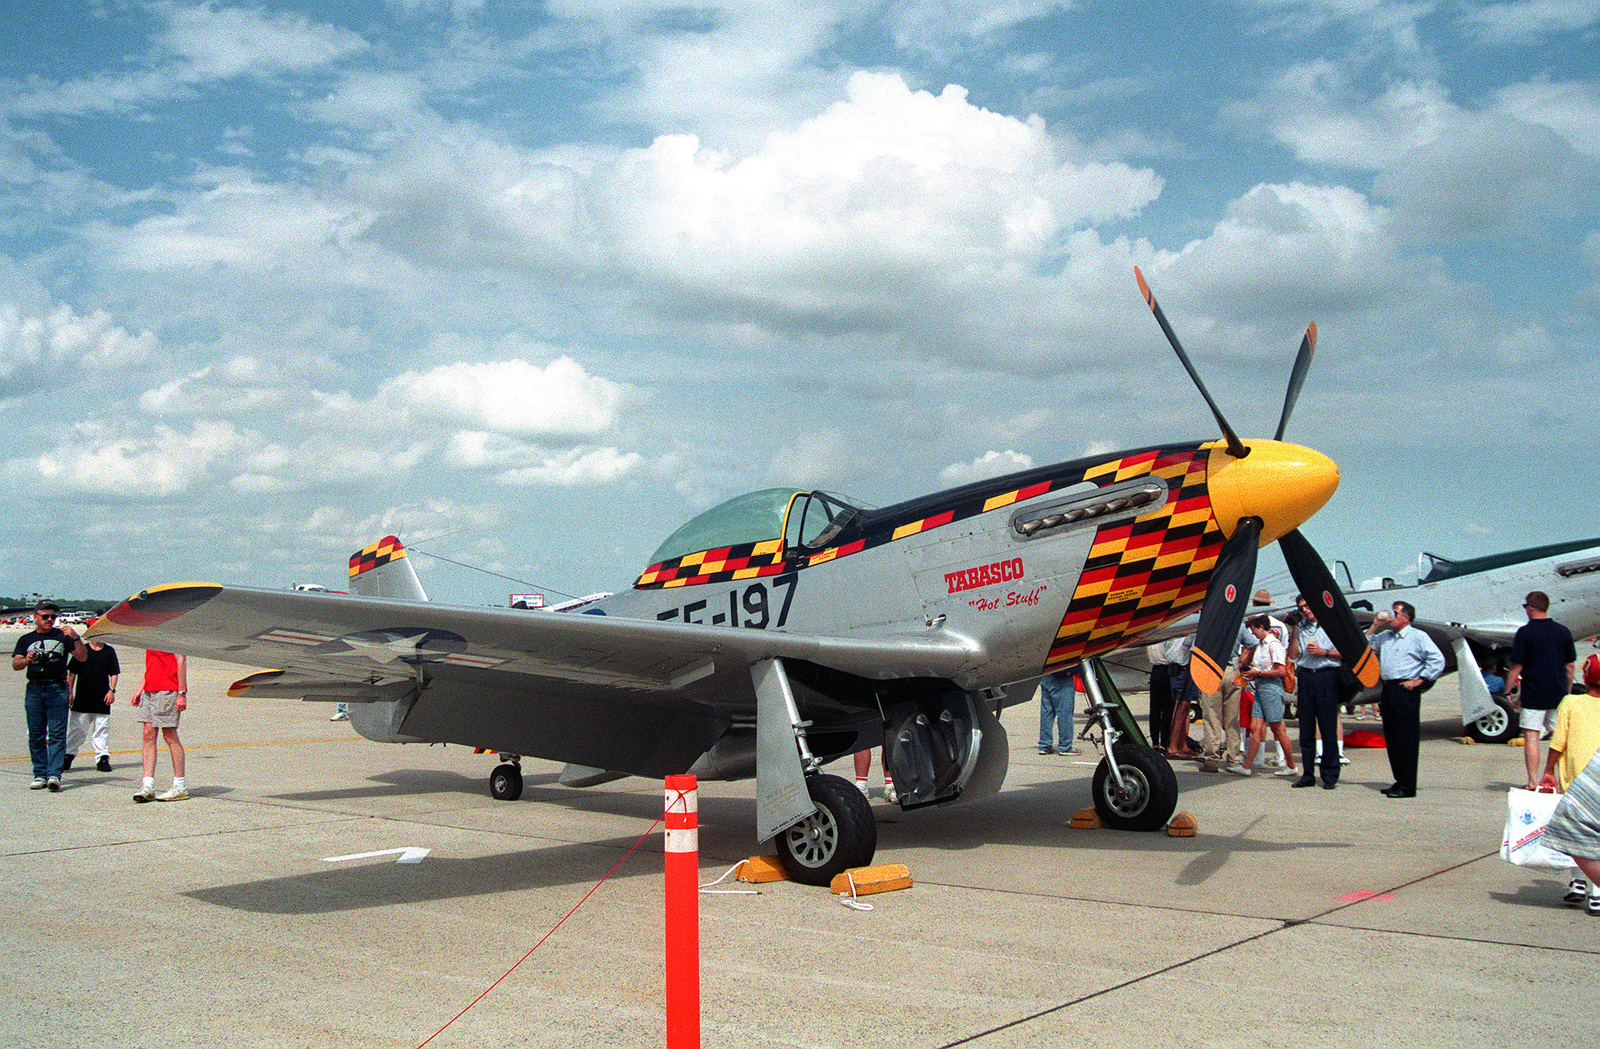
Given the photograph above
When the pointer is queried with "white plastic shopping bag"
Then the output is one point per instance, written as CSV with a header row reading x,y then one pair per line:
x,y
1527,812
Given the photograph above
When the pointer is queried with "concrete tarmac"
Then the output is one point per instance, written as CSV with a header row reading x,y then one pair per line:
x,y
1293,918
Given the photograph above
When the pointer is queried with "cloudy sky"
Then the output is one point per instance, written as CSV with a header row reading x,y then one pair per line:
x,y
530,284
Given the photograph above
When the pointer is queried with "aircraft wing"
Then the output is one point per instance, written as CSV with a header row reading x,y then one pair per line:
x,y
1491,635
636,696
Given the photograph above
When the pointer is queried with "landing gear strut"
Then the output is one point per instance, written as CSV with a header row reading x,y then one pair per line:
x,y
1134,787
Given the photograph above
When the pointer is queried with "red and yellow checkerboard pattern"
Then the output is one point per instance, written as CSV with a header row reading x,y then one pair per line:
x,y
741,561
382,552
1139,573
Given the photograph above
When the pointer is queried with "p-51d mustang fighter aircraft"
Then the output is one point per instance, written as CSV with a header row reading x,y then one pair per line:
x,y
784,629
1472,609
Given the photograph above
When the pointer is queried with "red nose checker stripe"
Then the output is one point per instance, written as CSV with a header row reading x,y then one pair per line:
x,y
1142,572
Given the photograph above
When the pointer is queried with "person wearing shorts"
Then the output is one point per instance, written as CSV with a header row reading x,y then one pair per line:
x,y
1542,658
161,704
1266,674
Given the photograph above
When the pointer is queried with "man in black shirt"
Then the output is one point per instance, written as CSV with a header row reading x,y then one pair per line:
x,y
1542,658
43,653
92,683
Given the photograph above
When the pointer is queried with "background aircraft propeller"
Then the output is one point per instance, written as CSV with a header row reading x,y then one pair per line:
x,y
1234,573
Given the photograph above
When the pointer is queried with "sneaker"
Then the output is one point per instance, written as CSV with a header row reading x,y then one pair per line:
x,y
1593,906
1210,766
1343,760
174,794
145,794
104,764
1068,752
1047,750
66,762
37,784
1304,781
339,715
53,784
890,795
1577,891
1287,772
1272,763
861,785
1238,770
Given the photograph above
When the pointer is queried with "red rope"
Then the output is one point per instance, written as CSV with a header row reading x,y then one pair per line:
x,y
547,935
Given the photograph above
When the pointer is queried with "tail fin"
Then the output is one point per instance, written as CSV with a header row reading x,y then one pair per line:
x,y
384,570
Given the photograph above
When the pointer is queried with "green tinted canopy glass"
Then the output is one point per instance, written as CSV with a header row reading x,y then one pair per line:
x,y
749,518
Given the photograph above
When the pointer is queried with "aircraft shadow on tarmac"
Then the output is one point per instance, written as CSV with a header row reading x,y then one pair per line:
x,y
381,882
1034,815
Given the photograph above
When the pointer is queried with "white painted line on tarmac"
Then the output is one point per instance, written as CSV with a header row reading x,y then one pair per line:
x,y
407,855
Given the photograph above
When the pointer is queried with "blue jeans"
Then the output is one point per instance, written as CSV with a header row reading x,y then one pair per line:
x,y
46,704
1056,701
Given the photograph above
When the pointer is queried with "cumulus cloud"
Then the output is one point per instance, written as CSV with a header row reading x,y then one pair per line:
x,y
239,385
106,462
234,220
1570,108
1282,248
574,467
989,464
197,43
40,352
513,397
1320,111
852,219
1491,176
1527,21
218,42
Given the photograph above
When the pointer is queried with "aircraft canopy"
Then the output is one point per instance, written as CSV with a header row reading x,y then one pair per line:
x,y
755,517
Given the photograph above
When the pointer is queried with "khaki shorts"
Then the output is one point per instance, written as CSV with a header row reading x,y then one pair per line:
x,y
159,709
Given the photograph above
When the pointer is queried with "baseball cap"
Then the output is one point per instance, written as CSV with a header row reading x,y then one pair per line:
x,y
47,605
1591,672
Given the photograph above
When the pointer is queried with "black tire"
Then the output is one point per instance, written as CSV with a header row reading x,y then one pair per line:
x,y
505,782
1498,726
840,835
1149,795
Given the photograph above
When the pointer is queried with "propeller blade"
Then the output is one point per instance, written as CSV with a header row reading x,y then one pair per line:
x,y
1297,377
1223,610
1236,447
1316,583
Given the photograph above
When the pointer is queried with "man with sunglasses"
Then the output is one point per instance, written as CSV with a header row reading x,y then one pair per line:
x,y
43,653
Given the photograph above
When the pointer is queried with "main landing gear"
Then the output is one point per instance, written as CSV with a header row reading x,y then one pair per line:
x,y
839,835
1498,725
1134,786
505,782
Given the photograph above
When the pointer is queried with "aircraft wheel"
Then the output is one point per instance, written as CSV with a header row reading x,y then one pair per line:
x,y
841,834
1498,726
1149,793
505,782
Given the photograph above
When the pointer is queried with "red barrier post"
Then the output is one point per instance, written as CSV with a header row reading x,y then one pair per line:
x,y
683,913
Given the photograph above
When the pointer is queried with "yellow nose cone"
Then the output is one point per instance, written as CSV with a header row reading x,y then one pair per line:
x,y
1283,484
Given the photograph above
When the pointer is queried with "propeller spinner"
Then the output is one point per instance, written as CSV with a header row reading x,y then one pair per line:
x,y
1262,491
